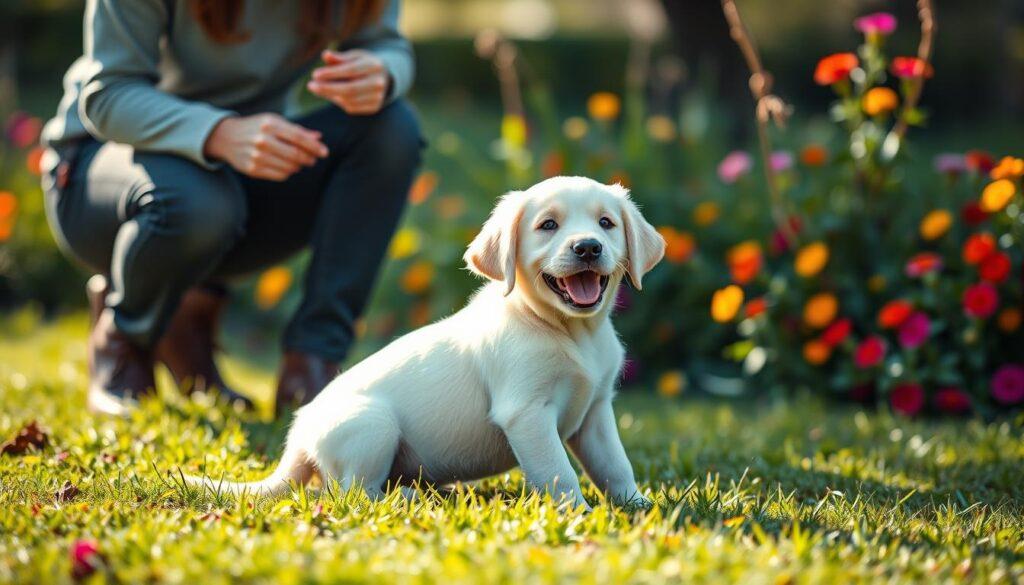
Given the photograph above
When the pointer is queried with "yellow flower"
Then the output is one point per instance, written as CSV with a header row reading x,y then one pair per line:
x,y
671,383
817,352
820,310
997,194
417,278
272,285
879,100
1009,319
936,224
405,243
604,106
726,302
1008,168
811,259
706,213
513,131
661,128
575,128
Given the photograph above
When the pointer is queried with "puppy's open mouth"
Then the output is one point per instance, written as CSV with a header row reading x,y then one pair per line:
x,y
582,290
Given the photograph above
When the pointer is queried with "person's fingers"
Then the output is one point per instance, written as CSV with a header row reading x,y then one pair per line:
x,y
287,151
334,57
303,138
355,89
349,69
269,164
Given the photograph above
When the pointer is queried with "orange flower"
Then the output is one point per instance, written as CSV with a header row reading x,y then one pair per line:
x,y
997,194
910,67
755,307
1008,168
814,155
671,383
726,302
8,212
745,261
817,352
272,285
879,100
821,310
978,247
450,206
661,129
604,106
417,278
620,178
679,245
936,224
835,68
811,259
894,313
706,213
419,314
553,164
1009,319
34,160
422,187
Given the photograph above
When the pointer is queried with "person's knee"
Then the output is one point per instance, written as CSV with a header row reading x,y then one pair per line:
x,y
202,211
392,138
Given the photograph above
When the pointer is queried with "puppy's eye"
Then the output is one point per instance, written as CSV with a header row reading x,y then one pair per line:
x,y
606,223
548,225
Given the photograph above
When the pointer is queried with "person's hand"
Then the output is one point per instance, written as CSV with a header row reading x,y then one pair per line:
x,y
356,81
264,146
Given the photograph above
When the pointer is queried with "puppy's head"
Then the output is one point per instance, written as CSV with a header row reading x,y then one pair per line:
x,y
563,241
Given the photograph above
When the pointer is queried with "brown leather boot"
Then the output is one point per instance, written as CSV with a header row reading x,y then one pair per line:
x,y
119,371
302,377
188,345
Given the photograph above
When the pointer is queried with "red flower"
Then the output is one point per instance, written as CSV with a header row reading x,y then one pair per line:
x,y
979,161
952,400
915,330
85,558
870,352
911,67
837,332
835,68
978,247
995,268
907,399
755,307
1008,384
972,213
894,313
922,264
778,244
981,300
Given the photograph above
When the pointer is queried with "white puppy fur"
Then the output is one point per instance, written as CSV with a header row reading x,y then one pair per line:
x,y
520,371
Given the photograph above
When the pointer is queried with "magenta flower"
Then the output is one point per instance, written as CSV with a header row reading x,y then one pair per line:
x,y
878,23
735,164
1008,384
23,129
85,557
630,370
781,160
950,163
915,330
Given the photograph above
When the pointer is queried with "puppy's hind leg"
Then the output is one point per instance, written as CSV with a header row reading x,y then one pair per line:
x,y
360,452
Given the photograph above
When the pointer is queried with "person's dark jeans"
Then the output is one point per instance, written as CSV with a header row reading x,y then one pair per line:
x,y
159,224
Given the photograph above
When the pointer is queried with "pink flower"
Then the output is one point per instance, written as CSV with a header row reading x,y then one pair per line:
x,y
85,557
915,330
878,23
735,164
23,129
981,300
781,160
922,264
870,352
952,400
907,399
950,163
1008,384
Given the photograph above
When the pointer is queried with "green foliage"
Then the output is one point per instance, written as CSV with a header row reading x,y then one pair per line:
x,y
804,493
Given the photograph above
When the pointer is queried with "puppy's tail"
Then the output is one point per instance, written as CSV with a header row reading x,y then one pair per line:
x,y
294,466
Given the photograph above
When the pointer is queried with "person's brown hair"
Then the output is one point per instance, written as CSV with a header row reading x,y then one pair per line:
x,y
318,22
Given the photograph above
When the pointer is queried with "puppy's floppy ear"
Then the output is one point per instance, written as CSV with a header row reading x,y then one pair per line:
x,y
493,252
644,245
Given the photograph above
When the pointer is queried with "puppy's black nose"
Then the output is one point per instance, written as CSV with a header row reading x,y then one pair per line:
x,y
587,250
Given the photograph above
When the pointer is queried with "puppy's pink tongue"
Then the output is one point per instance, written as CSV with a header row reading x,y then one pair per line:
x,y
583,288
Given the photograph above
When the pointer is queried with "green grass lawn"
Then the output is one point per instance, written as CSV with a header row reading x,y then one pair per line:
x,y
757,493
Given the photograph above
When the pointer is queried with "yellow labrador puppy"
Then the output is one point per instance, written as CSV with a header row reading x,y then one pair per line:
x,y
530,363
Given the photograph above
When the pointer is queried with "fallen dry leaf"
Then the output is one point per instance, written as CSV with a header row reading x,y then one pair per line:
x,y
67,492
29,437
